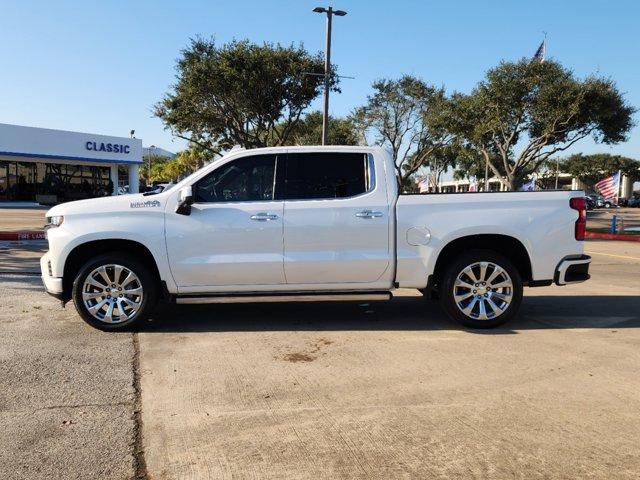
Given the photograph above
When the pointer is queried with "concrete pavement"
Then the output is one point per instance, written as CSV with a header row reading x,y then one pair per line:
x,y
396,390
21,257
327,390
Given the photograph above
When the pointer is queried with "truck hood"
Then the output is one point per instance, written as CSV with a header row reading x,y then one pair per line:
x,y
119,203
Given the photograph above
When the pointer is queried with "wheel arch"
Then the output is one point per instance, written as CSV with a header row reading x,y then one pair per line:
x,y
506,245
85,251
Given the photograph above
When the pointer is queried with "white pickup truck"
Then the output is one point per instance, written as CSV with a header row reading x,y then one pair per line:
x,y
310,224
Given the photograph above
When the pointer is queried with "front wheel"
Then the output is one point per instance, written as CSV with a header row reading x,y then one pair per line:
x,y
481,289
114,291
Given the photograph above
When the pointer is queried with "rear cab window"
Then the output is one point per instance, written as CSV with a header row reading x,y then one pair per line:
x,y
325,175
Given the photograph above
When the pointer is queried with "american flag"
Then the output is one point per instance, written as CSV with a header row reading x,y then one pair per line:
x,y
609,186
423,184
539,55
530,186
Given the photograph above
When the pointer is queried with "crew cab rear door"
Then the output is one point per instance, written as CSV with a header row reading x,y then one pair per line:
x,y
336,226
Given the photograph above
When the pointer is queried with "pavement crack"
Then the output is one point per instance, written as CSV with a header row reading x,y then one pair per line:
x,y
139,461
80,405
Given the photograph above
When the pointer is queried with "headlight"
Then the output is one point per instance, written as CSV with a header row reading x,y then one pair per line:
x,y
54,221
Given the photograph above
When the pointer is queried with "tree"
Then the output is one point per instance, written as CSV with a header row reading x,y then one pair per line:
x,y
592,168
237,93
342,131
405,115
523,113
470,163
192,159
157,165
546,174
439,161
187,161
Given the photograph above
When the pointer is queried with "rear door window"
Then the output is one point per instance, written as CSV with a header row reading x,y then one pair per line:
x,y
323,175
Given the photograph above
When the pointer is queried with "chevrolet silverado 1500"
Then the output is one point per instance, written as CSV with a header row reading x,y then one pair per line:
x,y
310,224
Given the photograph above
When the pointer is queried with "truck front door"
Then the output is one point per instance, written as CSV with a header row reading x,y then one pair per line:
x,y
233,236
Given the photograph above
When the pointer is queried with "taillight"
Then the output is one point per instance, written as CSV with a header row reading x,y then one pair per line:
x,y
580,204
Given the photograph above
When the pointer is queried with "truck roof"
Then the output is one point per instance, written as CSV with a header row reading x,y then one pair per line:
x,y
309,148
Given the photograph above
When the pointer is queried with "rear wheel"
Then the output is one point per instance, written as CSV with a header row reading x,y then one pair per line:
x,y
114,291
481,289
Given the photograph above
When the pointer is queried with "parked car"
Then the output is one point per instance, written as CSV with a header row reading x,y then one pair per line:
x,y
601,202
310,224
590,203
634,202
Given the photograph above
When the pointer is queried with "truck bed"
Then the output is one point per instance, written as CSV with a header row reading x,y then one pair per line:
x,y
542,221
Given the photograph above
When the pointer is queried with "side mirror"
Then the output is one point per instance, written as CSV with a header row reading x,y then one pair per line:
x,y
185,200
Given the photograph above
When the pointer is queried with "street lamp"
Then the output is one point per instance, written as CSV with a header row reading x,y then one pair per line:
x,y
327,67
151,148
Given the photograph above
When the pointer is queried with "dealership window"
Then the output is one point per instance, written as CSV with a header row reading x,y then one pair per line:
x,y
27,180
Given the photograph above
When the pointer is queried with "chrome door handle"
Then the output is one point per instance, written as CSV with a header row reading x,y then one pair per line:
x,y
263,217
369,214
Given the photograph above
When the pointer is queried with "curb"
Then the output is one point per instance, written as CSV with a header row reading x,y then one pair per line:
x,y
613,236
35,235
24,235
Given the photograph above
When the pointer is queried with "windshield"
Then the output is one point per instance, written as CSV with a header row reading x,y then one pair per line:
x,y
168,186
188,180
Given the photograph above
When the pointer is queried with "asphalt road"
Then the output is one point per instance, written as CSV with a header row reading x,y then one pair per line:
x,y
391,390
16,219
66,391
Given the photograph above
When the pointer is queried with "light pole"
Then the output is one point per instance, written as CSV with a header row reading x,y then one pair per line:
x,y
151,148
327,67
486,175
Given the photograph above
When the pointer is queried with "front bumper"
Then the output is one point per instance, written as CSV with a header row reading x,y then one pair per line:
x,y
52,285
573,269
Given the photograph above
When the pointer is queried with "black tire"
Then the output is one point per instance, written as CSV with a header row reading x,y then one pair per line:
x,y
456,267
146,278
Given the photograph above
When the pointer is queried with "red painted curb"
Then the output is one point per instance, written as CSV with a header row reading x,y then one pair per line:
x,y
15,236
34,235
614,236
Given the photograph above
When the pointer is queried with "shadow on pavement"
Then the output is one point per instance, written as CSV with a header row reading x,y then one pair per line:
x,y
402,313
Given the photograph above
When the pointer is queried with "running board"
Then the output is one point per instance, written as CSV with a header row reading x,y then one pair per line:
x,y
287,297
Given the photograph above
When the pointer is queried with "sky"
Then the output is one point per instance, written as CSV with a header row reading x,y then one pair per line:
x,y
99,67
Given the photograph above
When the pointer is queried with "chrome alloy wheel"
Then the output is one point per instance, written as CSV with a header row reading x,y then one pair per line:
x,y
112,293
483,290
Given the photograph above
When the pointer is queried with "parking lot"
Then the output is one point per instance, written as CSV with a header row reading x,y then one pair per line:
x,y
391,390
627,218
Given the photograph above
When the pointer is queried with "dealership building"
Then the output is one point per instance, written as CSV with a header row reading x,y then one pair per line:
x,y
53,166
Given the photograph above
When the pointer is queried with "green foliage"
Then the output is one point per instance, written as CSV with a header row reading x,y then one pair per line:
x,y
157,164
593,168
471,163
308,131
237,93
524,112
407,116
439,161
164,169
